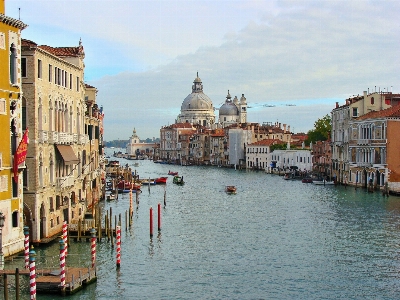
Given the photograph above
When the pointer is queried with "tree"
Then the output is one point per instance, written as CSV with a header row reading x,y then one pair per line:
x,y
321,131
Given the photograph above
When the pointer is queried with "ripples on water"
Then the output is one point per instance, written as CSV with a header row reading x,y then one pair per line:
x,y
275,239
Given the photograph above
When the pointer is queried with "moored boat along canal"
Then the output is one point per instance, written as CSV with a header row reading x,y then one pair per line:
x,y
273,239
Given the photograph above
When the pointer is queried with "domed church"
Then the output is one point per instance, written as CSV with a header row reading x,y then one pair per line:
x,y
233,111
197,108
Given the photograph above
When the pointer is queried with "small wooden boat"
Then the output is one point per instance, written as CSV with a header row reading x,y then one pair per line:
x,y
172,173
111,197
178,180
307,180
230,189
147,182
161,180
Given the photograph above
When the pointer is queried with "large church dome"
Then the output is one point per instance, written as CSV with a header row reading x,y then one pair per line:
x,y
197,107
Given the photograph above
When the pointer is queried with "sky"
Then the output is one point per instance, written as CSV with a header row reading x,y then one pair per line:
x,y
292,60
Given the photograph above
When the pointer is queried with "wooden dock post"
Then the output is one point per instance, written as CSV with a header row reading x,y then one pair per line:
x,y
16,284
79,229
5,281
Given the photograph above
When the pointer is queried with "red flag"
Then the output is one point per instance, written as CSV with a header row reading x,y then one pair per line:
x,y
20,154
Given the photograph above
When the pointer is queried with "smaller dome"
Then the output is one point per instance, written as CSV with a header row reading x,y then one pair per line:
x,y
228,109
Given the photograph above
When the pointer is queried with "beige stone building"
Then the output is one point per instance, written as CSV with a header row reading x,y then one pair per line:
x,y
58,160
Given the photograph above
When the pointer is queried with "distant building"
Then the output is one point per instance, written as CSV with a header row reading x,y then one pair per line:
x,y
135,149
233,112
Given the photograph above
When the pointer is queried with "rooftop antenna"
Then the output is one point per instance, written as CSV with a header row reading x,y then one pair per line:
x,y
19,13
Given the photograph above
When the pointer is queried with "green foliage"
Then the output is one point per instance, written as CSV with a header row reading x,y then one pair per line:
x,y
321,131
278,147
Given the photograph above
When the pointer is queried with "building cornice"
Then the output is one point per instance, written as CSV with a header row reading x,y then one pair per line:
x,y
12,22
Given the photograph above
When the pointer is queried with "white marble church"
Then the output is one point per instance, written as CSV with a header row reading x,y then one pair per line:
x,y
136,149
197,108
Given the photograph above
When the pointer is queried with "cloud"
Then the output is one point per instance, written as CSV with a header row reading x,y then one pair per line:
x,y
143,55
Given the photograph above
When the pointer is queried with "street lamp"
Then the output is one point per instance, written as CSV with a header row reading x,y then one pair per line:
x,y
2,218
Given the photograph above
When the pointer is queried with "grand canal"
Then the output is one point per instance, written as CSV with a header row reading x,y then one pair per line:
x,y
274,239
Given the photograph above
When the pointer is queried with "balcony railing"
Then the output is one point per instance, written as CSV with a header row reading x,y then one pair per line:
x,y
363,142
83,139
364,164
65,138
63,182
43,136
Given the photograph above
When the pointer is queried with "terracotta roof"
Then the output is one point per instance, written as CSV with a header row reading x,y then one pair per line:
x,y
267,142
63,51
89,86
393,111
28,43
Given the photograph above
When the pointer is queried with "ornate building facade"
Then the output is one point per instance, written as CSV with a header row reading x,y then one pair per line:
x,y
11,132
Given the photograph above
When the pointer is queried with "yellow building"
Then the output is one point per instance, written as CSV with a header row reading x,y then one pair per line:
x,y
11,131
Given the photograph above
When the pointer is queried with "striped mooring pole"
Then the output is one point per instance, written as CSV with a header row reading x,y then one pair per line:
x,y
26,246
93,246
32,274
62,262
118,228
65,236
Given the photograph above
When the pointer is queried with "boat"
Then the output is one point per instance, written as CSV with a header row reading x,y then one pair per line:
x,y
323,182
288,176
126,185
148,182
111,197
230,189
178,180
172,173
161,180
307,180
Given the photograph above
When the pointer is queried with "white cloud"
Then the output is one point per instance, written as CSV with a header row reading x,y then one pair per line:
x,y
270,51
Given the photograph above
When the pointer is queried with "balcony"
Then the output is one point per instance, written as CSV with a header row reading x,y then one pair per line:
x,y
364,164
65,138
67,181
43,136
83,139
363,142
53,137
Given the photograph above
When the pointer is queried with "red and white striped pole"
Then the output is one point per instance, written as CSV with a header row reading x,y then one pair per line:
x,y
118,246
65,236
32,274
93,247
159,216
151,221
130,207
62,263
26,246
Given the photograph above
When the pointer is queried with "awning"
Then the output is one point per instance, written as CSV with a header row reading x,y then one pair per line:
x,y
68,155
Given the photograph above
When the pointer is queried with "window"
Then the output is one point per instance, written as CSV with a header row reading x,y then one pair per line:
x,y
14,188
70,81
77,84
55,74
13,64
39,69
51,203
355,112
372,100
3,183
15,219
3,106
23,66
50,73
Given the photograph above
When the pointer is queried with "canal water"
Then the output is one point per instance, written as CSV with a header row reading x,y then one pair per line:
x,y
274,239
